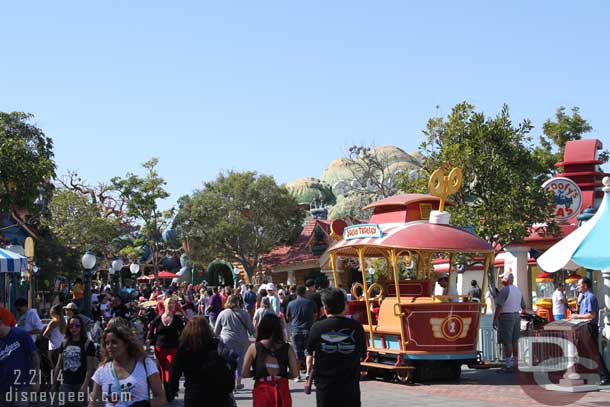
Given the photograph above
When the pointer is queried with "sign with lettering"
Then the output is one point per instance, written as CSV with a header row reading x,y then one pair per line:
x,y
362,231
568,197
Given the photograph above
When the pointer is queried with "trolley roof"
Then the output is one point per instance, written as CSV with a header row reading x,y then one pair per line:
x,y
419,235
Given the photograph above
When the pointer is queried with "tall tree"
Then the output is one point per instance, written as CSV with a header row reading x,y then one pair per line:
x,y
239,217
80,224
501,196
26,163
142,195
557,133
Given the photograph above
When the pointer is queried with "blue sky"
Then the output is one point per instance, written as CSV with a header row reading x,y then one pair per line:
x,y
284,87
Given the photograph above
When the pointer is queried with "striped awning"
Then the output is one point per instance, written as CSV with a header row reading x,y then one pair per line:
x,y
11,262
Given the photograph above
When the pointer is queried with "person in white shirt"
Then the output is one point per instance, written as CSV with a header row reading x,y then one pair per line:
x,y
28,318
447,289
507,319
559,303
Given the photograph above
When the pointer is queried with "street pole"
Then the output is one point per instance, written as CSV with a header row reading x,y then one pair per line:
x,y
88,261
87,294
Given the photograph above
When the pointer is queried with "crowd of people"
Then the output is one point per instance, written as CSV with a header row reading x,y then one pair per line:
x,y
133,349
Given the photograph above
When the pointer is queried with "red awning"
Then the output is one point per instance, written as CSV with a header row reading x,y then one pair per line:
x,y
167,274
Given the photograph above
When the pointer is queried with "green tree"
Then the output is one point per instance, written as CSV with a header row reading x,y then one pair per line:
x,y
239,217
141,195
501,196
26,163
80,224
557,133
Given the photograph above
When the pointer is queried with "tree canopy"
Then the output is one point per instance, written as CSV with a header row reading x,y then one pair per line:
x,y
141,195
557,133
79,224
239,217
26,162
501,196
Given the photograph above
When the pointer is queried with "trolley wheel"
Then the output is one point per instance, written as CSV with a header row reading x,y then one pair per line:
x,y
456,371
406,376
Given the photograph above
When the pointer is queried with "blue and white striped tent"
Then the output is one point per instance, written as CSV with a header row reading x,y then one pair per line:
x,y
587,246
11,262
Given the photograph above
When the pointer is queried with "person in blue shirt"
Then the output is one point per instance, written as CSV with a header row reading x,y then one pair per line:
x,y
250,300
588,309
300,313
18,359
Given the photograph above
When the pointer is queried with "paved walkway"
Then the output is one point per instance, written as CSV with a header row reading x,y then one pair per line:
x,y
477,388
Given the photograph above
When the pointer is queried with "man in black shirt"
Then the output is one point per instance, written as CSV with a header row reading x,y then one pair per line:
x,y
313,295
337,344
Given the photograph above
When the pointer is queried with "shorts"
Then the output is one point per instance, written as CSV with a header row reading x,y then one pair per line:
x,y
559,317
299,343
509,328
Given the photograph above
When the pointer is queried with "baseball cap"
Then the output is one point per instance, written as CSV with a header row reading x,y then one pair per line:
x,y
270,287
71,306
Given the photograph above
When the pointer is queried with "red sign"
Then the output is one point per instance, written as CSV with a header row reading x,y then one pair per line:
x,y
362,231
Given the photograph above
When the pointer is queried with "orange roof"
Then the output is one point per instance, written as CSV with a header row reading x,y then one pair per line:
x,y
299,251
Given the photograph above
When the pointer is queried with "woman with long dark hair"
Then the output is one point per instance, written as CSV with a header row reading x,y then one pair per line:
x,y
76,362
126,376
272,362
208,380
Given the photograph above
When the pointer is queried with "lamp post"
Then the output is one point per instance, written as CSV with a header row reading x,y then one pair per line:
x,y
88,260
134,268
117,266
372,275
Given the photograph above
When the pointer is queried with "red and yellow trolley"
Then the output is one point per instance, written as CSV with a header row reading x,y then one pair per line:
x,y
413,333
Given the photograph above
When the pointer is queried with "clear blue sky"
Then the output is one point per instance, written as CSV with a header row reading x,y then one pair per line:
x,y
284,87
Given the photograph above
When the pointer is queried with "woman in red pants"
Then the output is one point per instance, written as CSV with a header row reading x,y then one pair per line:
x,y
164,334
271,362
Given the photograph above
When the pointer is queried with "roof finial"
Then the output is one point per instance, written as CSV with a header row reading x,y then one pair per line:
x,y
443,185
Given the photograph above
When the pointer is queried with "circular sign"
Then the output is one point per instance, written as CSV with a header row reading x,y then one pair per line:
x,y
568,197
451,327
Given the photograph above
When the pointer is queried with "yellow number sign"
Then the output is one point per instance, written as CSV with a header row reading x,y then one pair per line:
x,y
443,185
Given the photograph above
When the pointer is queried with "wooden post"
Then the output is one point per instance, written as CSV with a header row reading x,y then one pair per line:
x,y
366,294
29,253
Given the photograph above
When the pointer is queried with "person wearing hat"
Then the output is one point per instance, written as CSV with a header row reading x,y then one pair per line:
x,y
72,311
443,281
507,320
274,299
